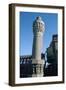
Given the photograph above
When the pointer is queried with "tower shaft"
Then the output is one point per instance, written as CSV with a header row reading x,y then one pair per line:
x,y
38,29
37,47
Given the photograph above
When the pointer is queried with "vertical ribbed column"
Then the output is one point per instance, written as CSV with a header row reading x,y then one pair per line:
x,y
38,29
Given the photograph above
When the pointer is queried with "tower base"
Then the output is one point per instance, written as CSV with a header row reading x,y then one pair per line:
x,y
38,70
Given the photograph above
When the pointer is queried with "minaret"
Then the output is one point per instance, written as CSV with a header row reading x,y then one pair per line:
x,y
38,29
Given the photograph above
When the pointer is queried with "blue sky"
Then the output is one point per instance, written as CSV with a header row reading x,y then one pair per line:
x,y
26,32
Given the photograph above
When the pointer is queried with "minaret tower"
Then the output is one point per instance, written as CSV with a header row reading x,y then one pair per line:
x,y
38,29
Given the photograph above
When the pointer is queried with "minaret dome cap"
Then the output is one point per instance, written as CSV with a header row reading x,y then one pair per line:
x,y
38,20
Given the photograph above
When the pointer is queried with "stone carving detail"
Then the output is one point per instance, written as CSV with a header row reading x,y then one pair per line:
x,y
38,25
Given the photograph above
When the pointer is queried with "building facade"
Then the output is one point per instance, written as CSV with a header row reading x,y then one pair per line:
x,y
26,67
52,57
